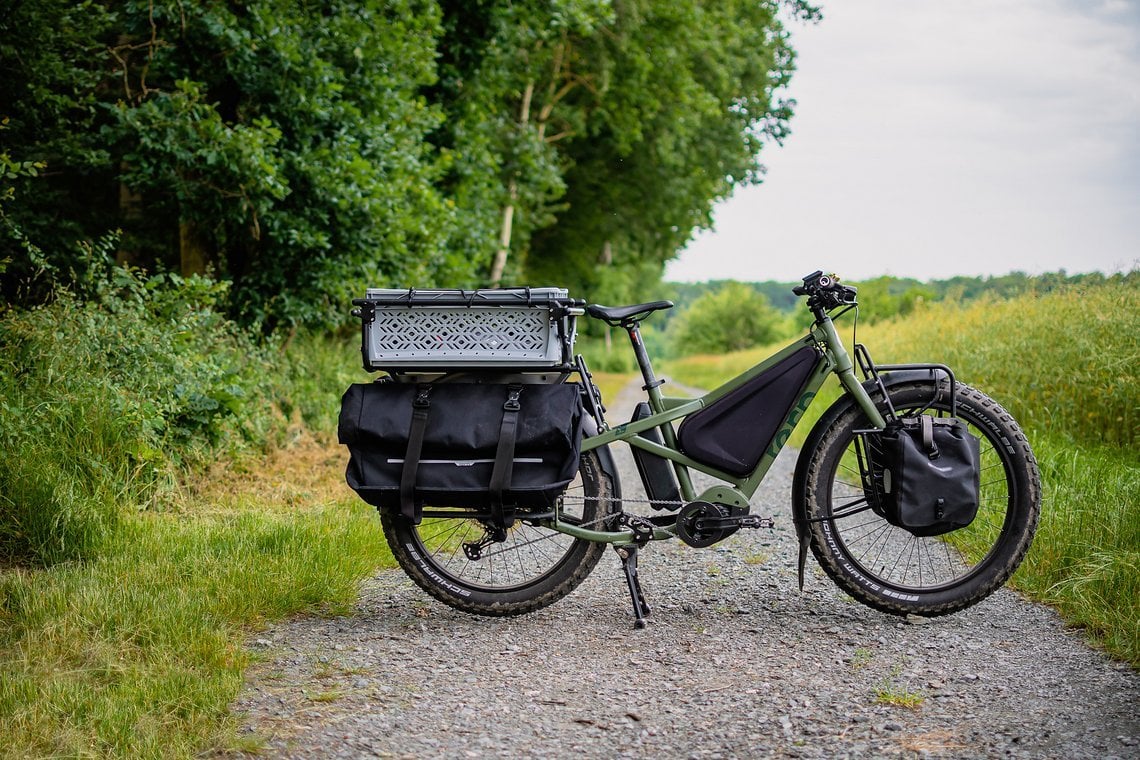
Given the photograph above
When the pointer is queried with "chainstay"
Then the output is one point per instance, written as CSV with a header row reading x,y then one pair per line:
x,y
555,534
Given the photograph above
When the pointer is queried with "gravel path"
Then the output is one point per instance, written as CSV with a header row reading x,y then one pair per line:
x,y
736,662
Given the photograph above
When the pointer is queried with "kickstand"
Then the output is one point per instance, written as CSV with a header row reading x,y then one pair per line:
x,y
628,555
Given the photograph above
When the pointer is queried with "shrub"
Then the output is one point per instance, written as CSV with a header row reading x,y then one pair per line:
x,y
733,318
105,393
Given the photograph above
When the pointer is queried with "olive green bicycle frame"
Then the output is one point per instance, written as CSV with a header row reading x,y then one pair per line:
x,y
832,357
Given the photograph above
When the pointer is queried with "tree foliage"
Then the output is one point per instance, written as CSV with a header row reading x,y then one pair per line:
x,y
684,103
305,150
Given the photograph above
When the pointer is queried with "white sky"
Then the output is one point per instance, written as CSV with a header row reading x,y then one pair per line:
x,y
933,138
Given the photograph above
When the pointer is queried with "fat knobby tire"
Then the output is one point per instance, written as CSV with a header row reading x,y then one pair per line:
x,y
570,571
997,427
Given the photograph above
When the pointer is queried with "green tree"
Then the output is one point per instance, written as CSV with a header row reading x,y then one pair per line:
x,y
733,318
276,143
608,131
303,151
687,100
886,297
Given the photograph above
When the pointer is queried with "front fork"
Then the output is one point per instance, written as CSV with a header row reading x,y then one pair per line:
x,y
844,369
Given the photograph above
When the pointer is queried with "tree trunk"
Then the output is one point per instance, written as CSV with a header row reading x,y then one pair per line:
x,y
500,262
193,256
501,254
129,212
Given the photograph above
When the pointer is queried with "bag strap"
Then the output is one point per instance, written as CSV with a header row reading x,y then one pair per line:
x,y
928,443
504,460
420,406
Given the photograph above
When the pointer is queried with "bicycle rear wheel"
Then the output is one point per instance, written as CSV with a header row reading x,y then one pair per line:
x,y
887,567
455,561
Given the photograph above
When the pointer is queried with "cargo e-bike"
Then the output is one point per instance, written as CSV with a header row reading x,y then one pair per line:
x,y
916,493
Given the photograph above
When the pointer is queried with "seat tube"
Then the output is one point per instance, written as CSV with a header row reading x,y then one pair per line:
x,y
653,388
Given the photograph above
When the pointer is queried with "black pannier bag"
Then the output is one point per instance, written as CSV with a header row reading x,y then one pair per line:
x,y
733,433
924,474
483,446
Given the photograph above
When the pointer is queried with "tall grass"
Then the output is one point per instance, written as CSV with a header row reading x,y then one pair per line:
x,y
1067,362
1067,366
103,401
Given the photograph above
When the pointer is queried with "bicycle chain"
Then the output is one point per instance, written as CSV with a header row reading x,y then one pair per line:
x,y
612,500
589,524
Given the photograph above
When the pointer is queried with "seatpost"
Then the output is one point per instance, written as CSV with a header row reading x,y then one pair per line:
x,y
652,384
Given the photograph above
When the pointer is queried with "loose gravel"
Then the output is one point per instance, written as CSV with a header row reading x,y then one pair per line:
x,y
736,662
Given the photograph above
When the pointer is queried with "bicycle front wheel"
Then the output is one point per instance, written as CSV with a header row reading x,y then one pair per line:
x,y
887,567
455,560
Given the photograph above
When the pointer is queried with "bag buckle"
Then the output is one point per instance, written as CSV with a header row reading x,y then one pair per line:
x,y
512,402
422,400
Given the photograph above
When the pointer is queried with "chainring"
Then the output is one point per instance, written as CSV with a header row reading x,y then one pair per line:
x,y
688,531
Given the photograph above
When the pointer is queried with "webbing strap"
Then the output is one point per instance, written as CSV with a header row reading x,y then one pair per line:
x,y
928,444
504,459
420,407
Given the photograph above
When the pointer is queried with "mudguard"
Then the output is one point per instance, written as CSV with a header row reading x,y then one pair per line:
x,y
799,506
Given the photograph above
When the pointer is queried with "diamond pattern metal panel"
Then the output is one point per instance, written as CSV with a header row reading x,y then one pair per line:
x,y
462,336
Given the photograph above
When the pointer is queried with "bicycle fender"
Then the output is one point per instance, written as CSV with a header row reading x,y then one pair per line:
x,y
799,495
605,456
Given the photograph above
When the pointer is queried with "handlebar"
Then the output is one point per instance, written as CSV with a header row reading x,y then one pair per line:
x,y
824,292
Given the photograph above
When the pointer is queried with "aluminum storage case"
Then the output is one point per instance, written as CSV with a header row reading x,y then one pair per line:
x,y
442,330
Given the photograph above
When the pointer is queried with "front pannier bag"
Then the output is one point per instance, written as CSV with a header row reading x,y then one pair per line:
x,y
924,474
497,447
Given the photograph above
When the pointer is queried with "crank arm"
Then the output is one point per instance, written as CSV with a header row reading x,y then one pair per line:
x,y
728,523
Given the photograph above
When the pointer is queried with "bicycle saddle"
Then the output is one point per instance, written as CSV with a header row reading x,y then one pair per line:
x,y
621,315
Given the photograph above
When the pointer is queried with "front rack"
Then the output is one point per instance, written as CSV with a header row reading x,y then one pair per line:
x,y
871,371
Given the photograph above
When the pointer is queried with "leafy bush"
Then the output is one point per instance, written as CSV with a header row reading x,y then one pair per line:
x,y
312,374
105,393
733,318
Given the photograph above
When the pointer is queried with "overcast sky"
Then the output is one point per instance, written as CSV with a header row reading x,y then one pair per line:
x,y
933,139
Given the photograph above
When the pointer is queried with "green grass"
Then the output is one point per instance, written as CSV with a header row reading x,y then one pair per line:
x,y
139,653
1085,560
1067,366
887,693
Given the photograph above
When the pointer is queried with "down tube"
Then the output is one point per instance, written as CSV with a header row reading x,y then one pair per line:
x,y
822,369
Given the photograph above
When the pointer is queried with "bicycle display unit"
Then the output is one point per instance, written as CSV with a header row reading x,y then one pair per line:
x,y
916,493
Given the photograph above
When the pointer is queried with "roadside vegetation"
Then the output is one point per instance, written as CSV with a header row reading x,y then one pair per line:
x,y
161,496
190,195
